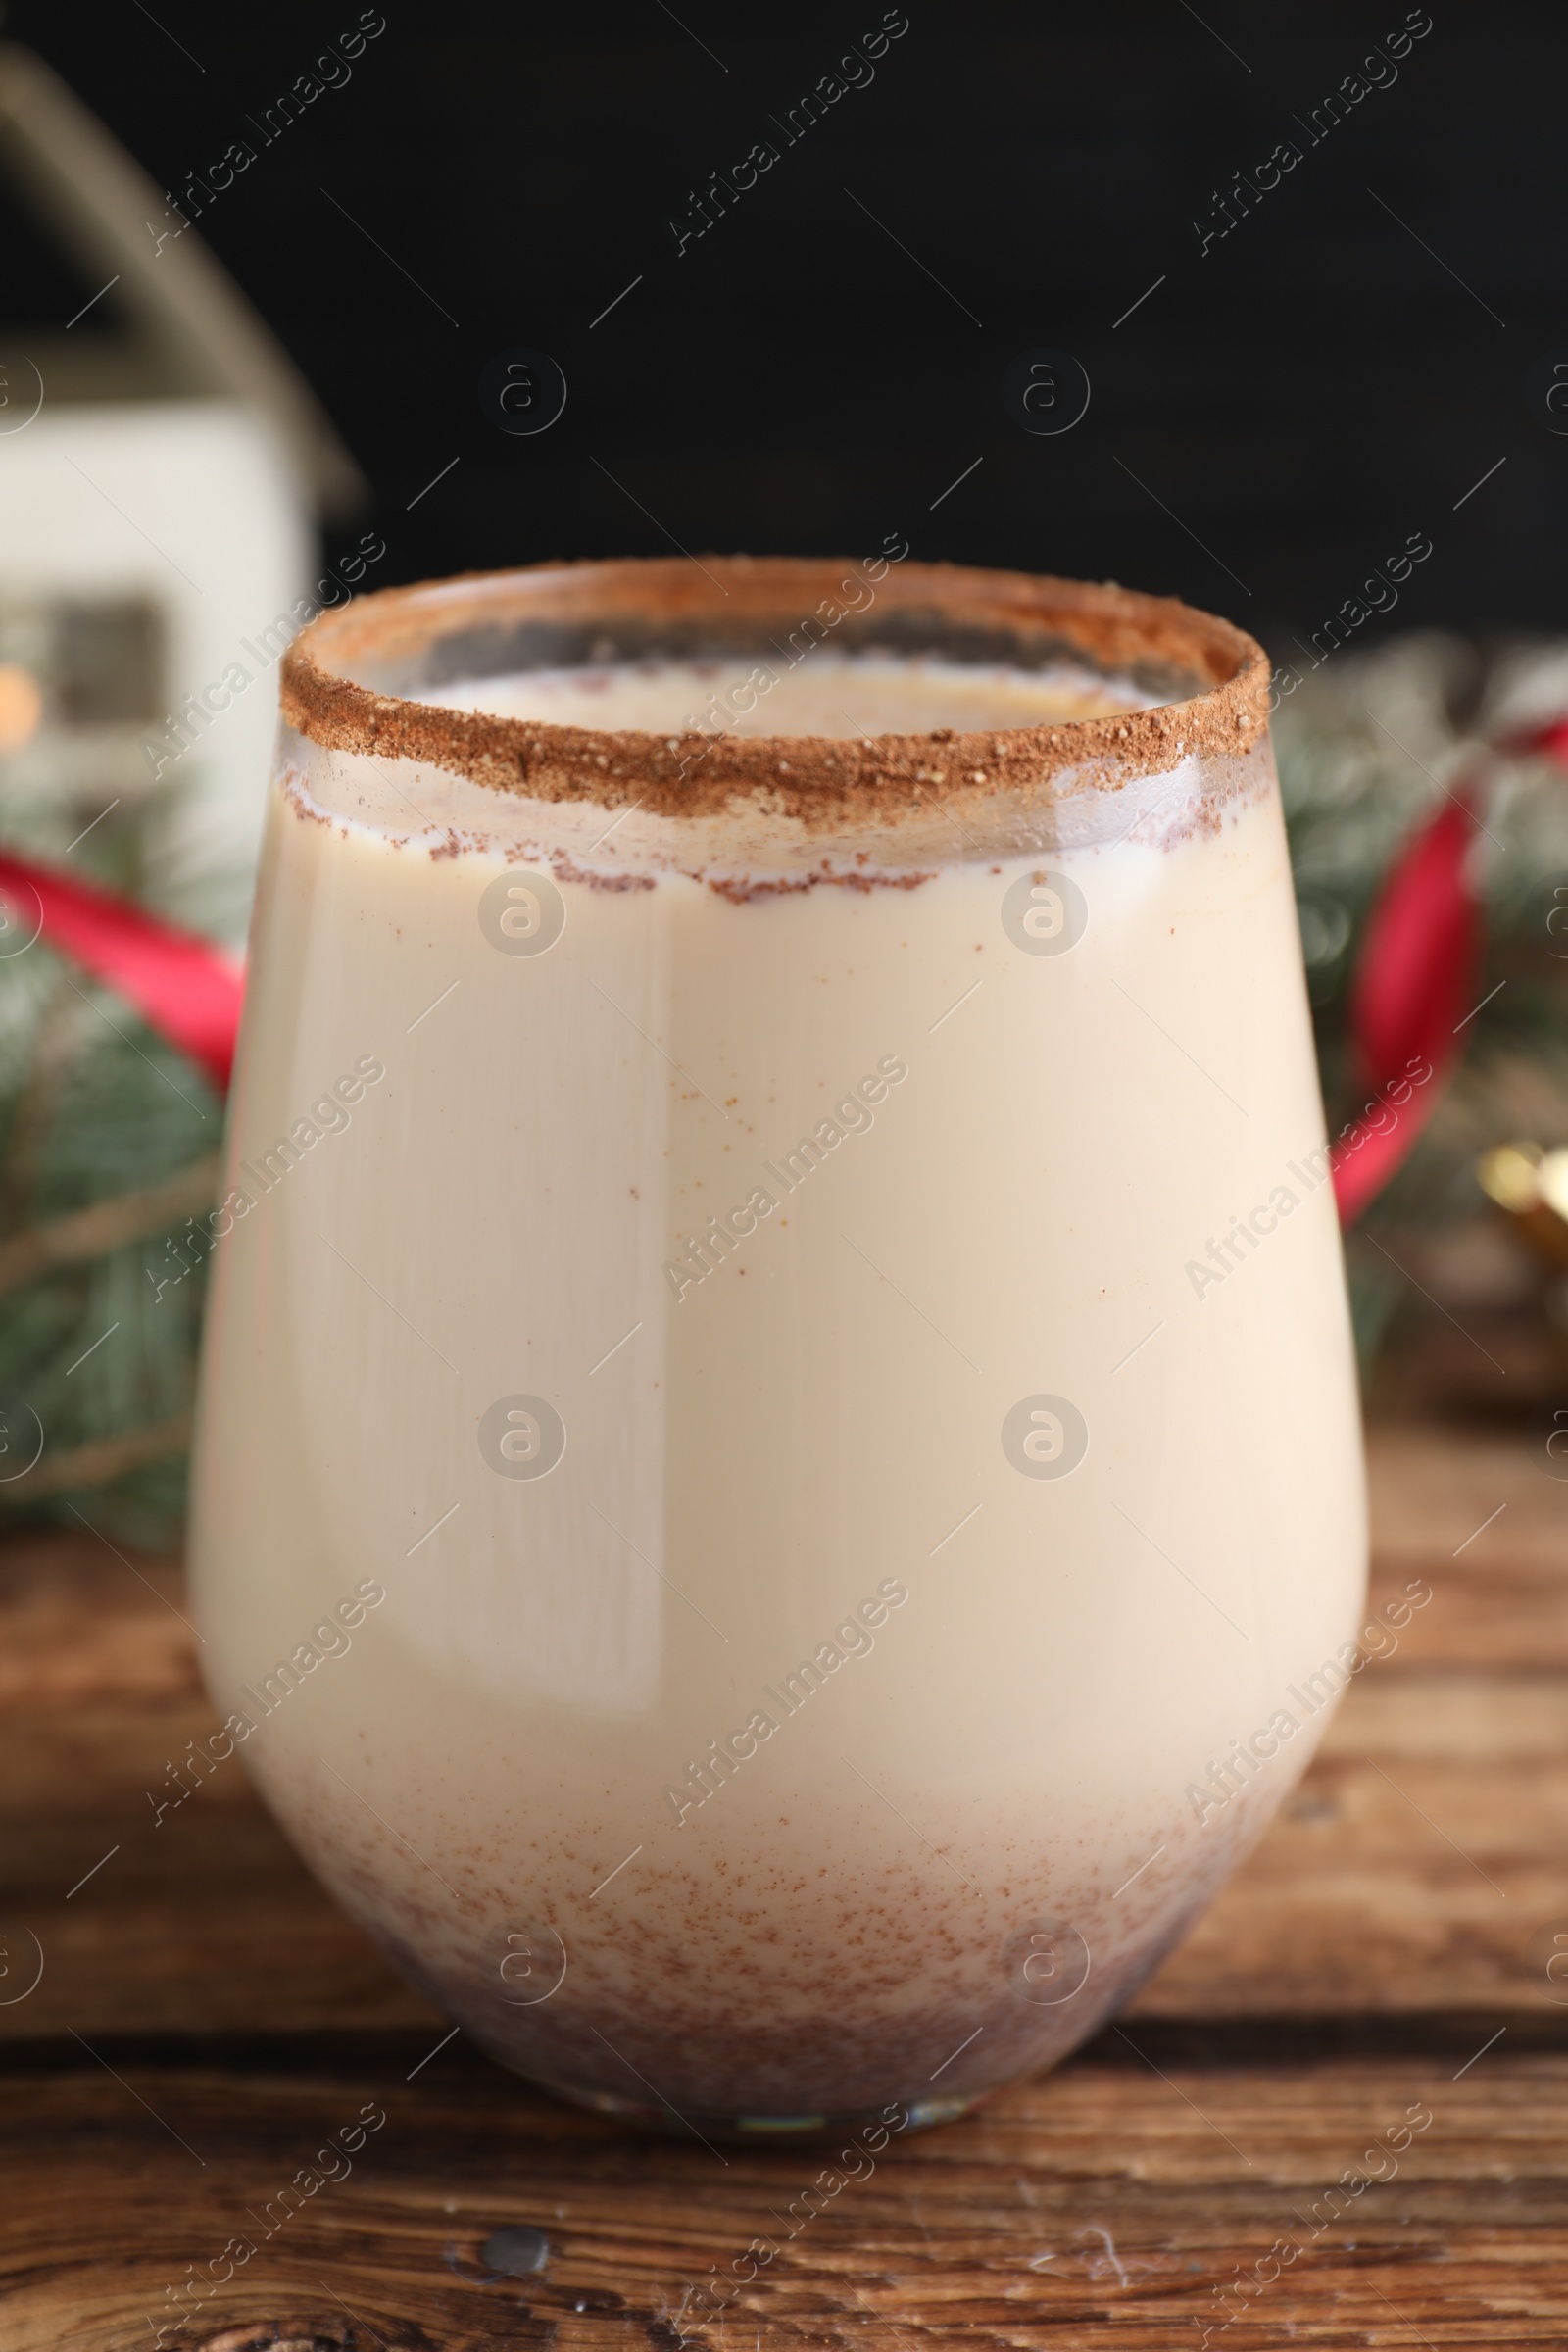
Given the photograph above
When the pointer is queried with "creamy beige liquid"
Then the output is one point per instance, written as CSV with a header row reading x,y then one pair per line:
x,y
831,694
794,1454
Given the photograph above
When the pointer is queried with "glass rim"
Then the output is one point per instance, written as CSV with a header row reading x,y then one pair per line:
x,y
350,681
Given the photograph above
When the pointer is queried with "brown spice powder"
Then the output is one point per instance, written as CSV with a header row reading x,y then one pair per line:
x,y
822,784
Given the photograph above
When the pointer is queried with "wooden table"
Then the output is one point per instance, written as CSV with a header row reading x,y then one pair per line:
x,y
205,2019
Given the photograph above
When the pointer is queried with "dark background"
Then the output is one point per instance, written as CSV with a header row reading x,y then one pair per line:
x,y
1314,389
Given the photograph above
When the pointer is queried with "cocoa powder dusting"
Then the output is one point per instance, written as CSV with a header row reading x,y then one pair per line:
x,y
822,784
740,889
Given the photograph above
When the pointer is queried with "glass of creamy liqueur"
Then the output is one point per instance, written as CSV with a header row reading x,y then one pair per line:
x,y
778,1495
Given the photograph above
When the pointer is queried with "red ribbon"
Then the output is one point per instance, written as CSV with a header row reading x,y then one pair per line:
x,y
1413,986
1413,995
183,986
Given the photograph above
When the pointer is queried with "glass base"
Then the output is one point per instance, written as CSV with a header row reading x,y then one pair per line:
x,y
761,2131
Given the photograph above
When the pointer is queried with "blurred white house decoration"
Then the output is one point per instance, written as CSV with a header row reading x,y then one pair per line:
x,y
164,471
160,490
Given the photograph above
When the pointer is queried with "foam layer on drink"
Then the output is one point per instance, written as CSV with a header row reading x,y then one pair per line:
x,y
831,695
801,1703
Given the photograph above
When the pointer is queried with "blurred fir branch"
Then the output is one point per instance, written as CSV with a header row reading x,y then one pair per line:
x,y
108,1156
1367,749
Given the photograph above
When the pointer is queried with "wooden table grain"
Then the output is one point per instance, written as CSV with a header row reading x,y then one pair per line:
x,y
1368,1998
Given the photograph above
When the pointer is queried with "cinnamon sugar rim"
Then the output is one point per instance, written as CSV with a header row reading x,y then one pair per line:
x,y
339,675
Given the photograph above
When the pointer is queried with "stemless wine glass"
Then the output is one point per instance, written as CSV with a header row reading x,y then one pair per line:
x,y
778,1494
